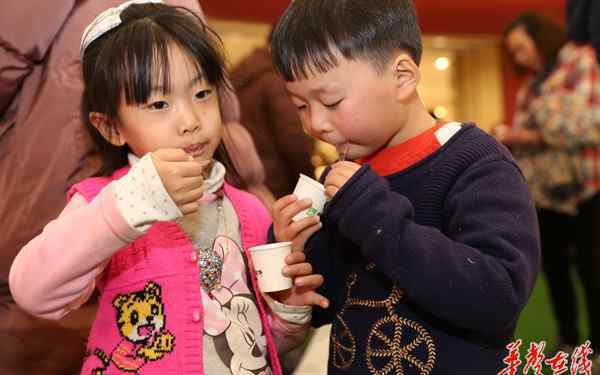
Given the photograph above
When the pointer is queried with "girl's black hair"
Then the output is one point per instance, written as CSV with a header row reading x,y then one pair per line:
x,y
127,61
310,32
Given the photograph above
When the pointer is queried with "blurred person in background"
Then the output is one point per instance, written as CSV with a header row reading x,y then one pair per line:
x,y
555,138
272,120
44,149
583,22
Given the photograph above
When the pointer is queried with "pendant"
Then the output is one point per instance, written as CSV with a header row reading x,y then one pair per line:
x,y
211,267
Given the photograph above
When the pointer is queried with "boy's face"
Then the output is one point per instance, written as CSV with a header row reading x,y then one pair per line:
x,y
352,106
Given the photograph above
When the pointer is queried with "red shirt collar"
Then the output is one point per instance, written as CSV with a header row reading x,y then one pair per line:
x,y
397,158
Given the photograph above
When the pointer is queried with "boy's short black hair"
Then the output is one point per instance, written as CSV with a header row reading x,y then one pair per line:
x,y
310,32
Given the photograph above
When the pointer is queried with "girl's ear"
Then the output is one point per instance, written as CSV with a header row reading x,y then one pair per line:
x,y
407,76
103,124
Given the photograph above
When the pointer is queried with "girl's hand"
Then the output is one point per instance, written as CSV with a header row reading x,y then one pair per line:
x,y
181,176
340,173
285,229
302,292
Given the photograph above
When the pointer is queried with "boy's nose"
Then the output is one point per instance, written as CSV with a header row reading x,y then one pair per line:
x,y
319,123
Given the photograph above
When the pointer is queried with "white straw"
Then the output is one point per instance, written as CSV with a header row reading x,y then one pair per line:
x,y
342,154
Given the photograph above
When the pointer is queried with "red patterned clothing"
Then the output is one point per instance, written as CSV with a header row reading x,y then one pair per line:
x,y
565,109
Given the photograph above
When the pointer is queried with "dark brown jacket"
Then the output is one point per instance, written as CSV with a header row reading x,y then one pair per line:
x,y
273,122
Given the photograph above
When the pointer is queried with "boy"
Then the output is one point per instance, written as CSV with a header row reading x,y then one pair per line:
x,y
429,243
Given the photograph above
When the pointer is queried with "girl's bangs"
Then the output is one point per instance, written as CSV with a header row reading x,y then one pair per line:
x,y
144,67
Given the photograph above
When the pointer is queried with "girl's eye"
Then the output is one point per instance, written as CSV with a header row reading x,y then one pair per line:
x,y
301,107
159,105
203,94
333,105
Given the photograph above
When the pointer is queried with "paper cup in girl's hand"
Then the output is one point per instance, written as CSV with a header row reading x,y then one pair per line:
x,y
312,189
268,261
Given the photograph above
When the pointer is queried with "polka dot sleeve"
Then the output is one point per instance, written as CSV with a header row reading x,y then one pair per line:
x,y
142,198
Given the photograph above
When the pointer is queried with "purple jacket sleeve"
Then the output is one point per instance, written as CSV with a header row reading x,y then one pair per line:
x,y
479,272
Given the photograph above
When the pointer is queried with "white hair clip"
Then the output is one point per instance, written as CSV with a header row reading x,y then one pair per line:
x,y
107,20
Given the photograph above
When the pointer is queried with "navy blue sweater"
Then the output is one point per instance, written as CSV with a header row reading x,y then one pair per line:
x,y
428,269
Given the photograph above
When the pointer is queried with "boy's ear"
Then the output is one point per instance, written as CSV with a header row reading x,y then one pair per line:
x,y
407,76
103,124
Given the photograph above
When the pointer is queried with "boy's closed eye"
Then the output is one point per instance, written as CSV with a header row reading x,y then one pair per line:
x,y
334,104
301,107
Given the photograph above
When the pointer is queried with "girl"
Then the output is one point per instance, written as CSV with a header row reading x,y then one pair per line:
x,y
162,232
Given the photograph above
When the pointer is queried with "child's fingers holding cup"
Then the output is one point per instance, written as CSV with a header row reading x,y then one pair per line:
x,y
297,270
313,225
282,212
282,203
308,296
279,221
312,281
295,228
296,207
295,258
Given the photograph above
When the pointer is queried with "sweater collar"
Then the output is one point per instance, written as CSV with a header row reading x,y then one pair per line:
x,y
394,159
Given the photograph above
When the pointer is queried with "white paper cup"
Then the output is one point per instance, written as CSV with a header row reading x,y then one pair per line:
x,y
312,189
269,261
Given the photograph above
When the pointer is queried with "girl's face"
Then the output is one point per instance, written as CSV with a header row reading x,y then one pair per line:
x,y
186,117
523,50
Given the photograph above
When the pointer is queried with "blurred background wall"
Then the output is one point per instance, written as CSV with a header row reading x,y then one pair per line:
x,y
470,28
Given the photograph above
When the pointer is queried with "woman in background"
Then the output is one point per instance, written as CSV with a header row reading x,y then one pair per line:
x,y
556,140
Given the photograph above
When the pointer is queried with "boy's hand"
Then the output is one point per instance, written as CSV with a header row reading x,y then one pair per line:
x,y
302,292
285,229
339,174
181,176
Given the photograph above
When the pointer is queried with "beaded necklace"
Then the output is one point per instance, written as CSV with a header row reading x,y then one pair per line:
x,y
209,262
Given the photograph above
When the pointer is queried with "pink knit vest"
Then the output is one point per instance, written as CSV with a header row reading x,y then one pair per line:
x,y
156,278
